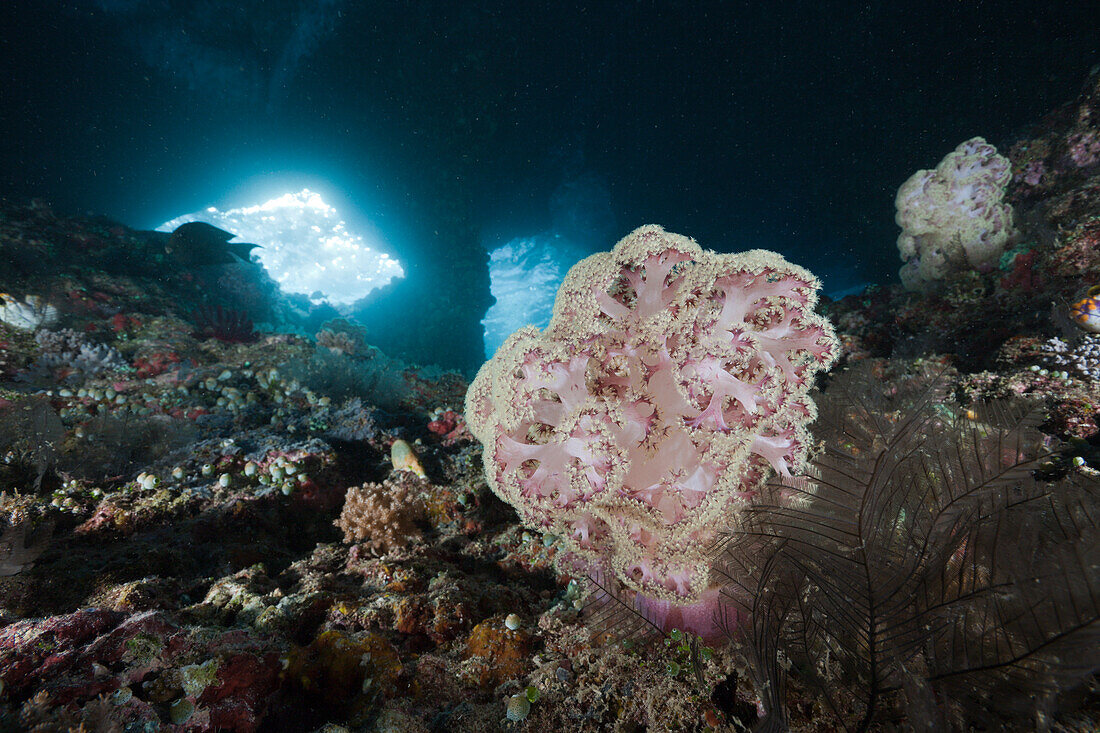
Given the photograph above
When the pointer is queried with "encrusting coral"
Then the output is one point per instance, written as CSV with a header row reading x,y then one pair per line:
x,y
669,384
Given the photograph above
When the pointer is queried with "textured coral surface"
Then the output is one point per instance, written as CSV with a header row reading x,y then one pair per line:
x,y
381,516
953,217
668,385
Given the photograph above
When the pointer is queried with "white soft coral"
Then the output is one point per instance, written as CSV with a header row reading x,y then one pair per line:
x,y
953,217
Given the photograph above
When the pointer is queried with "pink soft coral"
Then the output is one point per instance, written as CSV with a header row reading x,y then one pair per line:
x,y
668,385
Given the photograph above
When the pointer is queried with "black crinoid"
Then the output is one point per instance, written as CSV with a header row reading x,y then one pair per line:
x,y
223,324
920,572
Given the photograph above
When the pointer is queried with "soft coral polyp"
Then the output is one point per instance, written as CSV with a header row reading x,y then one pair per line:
x,y
669,384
